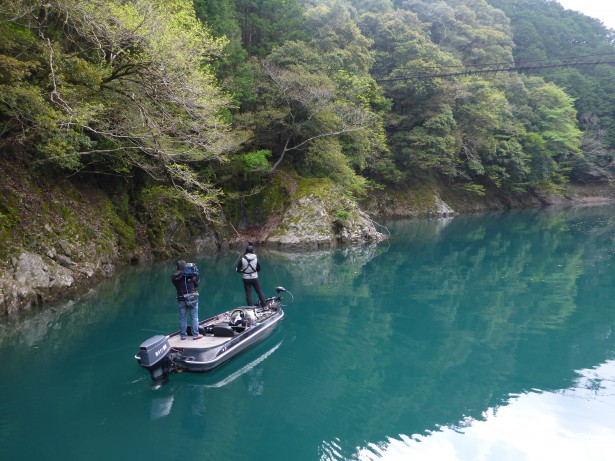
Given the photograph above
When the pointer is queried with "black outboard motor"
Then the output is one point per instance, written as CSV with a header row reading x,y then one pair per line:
x,y
153,356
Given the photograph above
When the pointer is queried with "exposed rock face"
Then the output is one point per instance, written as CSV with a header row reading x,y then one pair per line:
x,y
411,202
442,208
36,279
360,229
69,268
32,272
306,222
58,238
323,218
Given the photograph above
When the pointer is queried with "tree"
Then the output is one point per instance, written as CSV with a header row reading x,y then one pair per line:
x,y
318,103
556,119
546,33
472,30
422,133
267,23
121,85
233,72
302,111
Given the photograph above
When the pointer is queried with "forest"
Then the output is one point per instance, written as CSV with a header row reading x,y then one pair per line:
x,y
205,101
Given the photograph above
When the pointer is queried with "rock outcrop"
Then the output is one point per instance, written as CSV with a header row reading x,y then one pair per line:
x,y
33,279
321,215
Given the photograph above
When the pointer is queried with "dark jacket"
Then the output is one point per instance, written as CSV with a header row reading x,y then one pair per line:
x,y
181,283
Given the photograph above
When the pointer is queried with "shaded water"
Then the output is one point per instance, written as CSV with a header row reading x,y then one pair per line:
x,y
479,337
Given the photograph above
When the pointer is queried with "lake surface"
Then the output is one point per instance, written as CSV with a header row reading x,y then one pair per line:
x,y
485,337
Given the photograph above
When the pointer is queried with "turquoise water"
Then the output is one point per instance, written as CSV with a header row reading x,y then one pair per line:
x,y
478,337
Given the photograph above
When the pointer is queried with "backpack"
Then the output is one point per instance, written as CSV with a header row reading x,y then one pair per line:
x,y
191,270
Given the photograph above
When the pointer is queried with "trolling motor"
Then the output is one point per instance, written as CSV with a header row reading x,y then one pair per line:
x,y
279,290
274,299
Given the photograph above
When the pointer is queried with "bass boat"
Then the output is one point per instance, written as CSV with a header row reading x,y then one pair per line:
x,y
225,336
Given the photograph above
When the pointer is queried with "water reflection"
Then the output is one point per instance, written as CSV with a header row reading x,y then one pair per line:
x,y
449,322
135,289
448,341
257,385
164,396
571,423
333,267
102,305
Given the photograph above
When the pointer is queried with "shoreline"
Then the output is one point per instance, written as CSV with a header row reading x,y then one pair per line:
x,y
33,280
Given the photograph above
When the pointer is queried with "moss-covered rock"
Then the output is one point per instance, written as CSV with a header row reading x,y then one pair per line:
x,y
433,199
174,226
320,214
59,236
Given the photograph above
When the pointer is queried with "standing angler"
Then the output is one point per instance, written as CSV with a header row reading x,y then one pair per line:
x,y
186,280
249,267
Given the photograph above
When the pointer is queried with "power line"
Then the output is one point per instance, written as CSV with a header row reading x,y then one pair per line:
x,y
567,59
491,65
494,70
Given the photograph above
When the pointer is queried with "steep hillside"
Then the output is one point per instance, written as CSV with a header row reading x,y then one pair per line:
x,y
57,237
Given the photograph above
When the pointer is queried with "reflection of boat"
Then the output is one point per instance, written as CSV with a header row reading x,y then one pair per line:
x,y
224,336
245,369
162,404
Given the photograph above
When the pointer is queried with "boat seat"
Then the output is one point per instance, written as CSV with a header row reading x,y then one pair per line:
x,y
223,330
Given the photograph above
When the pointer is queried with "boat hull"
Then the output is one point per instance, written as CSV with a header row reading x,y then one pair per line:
x,y
200,358
222,339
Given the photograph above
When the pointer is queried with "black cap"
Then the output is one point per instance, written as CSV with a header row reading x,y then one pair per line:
x,y
249,249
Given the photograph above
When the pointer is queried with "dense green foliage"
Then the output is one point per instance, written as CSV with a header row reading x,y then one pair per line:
x,y
113,86
216,95
545,33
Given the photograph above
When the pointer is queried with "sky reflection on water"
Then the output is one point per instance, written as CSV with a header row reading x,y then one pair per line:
x,y
574,423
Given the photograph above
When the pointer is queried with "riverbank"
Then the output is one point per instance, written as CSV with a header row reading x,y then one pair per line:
x,y
58,238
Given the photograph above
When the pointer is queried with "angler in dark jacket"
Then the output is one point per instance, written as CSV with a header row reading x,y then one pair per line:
x,y
186,283
249,267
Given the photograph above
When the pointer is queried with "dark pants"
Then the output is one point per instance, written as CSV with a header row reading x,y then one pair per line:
x,y
247,285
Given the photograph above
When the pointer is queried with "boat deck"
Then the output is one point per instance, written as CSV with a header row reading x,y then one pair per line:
x,y
203,343
208,341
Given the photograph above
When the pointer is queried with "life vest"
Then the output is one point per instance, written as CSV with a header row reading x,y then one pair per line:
x,y
249,266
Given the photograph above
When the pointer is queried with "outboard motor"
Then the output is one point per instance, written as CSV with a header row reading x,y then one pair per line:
x,y
153,356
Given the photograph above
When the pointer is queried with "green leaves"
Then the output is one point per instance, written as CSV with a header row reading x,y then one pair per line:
x,y
546,33
432,146
319,110
489,129
556,119
332,90
109,84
